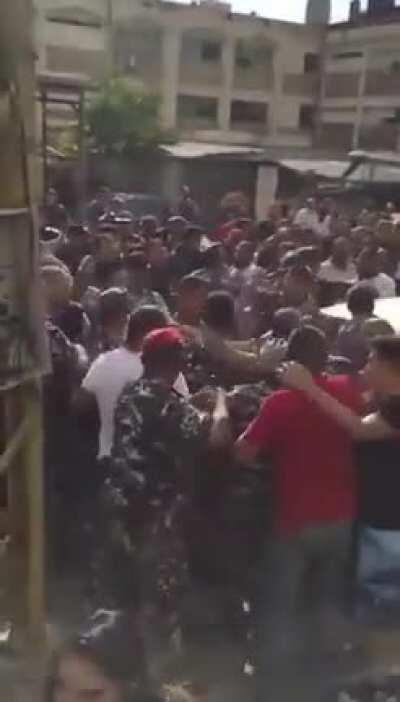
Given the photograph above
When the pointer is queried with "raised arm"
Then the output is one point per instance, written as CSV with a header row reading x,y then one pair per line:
x,y
370,428
221,429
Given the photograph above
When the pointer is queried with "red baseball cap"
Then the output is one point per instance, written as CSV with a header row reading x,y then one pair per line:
x,y
165,338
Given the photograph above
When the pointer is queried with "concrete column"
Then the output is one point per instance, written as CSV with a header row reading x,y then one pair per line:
x,y
228,73
360,101
39,37
170,76
274,105
267,183
172,180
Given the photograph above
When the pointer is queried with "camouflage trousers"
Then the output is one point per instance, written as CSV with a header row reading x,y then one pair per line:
x,y
141,563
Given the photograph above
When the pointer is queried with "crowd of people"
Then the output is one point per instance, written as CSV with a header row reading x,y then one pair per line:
x,y
206,425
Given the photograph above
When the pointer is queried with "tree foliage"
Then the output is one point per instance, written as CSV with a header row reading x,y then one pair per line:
x,y
123,119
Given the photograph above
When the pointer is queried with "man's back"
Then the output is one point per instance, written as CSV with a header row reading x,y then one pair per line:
x,y
311,454
106,378
155,428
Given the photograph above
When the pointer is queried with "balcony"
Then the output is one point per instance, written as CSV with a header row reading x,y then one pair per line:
x,y
379,136
87,62
201,58
301,84
253,65
342,85
197,113
199,74
256,78
139,55
334,136
382,83
249,117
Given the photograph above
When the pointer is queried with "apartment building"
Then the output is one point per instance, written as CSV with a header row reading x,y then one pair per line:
x,y
223,77
227,78
360,87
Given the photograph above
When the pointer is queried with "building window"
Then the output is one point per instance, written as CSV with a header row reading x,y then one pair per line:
x,y
211,51
249,112
395,67
345,55
243,58
84,19
311,63
306,117
191,107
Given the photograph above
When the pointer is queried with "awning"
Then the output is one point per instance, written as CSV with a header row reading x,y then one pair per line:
x,y
194,149
326,169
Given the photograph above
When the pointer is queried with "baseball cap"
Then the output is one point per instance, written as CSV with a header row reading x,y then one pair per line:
x,y
165,338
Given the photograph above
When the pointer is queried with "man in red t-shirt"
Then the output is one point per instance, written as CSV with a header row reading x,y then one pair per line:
x,y
313,492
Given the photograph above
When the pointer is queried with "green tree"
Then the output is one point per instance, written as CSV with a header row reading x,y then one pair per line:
x,y
123,119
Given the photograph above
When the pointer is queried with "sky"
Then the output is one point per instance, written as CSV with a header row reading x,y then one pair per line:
x,y
288,9
293,10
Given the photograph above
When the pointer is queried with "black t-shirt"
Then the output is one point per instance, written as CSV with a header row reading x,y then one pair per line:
x,y
71,320
379,483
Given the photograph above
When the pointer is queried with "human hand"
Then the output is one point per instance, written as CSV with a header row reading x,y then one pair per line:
x,y
220,408
296,376
272,353
204,400
190,334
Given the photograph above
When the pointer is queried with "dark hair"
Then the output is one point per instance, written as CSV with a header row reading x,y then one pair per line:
x,y
112,645
77,230
308,255
49,233
361,299
267,255
114,304
193,230
107,226
308,346
137,260
387,348
144,320
302,273
265,229
219,313
212,255
191,283
149,221
285,321
71,321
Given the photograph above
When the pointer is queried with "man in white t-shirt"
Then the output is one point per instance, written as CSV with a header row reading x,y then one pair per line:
x,y
339,268
111,371
307,217
370,270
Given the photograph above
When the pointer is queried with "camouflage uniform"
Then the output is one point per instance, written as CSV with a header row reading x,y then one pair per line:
x,y
157,436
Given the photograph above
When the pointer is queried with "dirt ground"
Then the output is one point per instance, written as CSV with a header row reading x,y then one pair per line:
x,y
213,670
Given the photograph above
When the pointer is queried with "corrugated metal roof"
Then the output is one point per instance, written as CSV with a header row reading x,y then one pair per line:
x,y
329,169
389,157
194,149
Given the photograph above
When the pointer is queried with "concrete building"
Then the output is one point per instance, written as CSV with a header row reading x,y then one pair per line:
x,y
360,88
223,77
226,78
